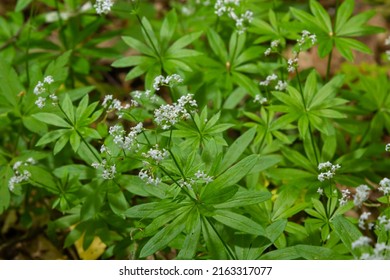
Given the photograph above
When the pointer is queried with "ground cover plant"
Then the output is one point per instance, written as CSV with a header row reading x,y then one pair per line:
x,y
194,130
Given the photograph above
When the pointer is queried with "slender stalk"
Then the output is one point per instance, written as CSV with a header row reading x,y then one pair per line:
x,y
150,41
329,65
228,250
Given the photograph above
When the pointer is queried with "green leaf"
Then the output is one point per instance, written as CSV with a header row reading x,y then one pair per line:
x,y
274,230
344,12
91,206
327,91
51,136
168,27
149,35
75,141
5,196
190,244
238,222
117,202
347,232
164,236
236,149
21,5
183,41
52,119
82,172
308,252
138,45
9,90
321,16
217,45
214,244
245,197
229,177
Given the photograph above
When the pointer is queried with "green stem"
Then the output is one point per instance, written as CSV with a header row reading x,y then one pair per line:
x,y
329,65
177,164
177,183
228,250
150,41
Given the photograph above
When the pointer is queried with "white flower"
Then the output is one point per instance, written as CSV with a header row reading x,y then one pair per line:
x,y
382,219
20,176
108,171
39,88
387,147
260,99
385,186
282,85
267,52
320,191
307,37
292,63
167,81
103,6
363,217
156,154
203,176
362,193
362,241
147,177
168,115
268,80
48,80
40,102
344,197
330,170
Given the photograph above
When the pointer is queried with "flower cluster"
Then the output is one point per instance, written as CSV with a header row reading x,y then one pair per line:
x,y
344,197
364,217
329,170
103,6
280,85
273,48
108,171
229,7
361,242
170,114
141,96
110,104
292,64
385,222
170,81
200,177
378,252
385,186
124,141
362,193
306,37
156,154
148,177
260,99
387,147
20,175
42,88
